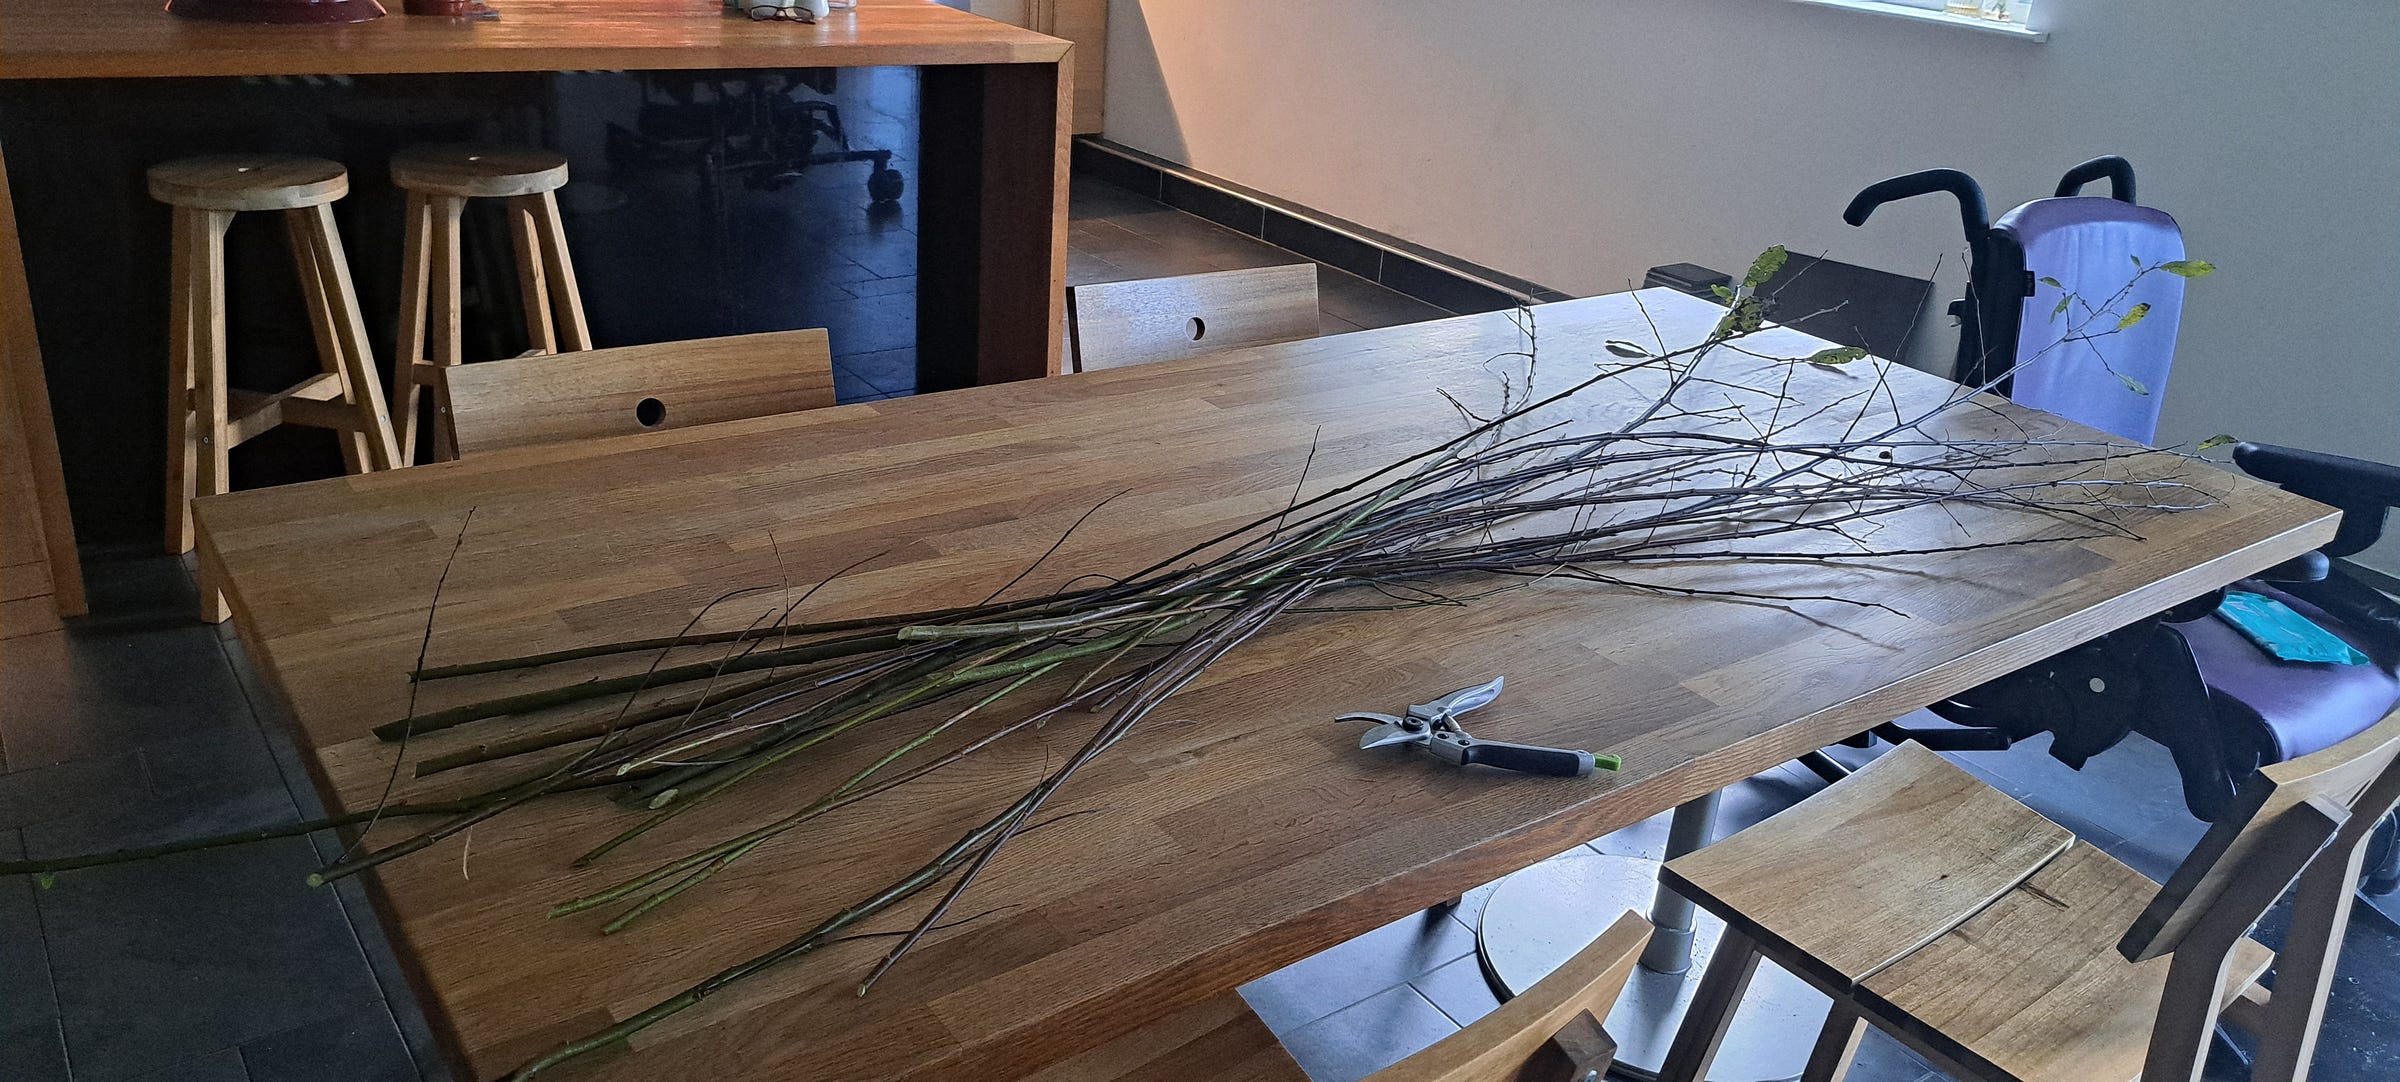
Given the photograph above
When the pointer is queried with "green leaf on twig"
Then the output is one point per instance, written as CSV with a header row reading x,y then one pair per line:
x,y
2062,307
2052,283
1768,262
2132,384
2219,440
2135,315
1623,348
2189,268
1723,292
1838,356
2137,260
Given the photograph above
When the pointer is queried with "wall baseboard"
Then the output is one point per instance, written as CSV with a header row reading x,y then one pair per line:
x,y
1437,278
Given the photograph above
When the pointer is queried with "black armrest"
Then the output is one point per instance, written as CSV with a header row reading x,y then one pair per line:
x,y
2363,490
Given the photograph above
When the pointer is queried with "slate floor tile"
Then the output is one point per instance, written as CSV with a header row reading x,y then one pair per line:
x,y
892,371
849,386
31,1050
77,694
1393,954
362,1046
26,995
222,1065
1460,990
162,960
1368,1036
1367,304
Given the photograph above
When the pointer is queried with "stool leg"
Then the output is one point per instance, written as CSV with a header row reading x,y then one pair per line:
x,y
416,274
352,358
297,225
525,236
566,299
208,379
183,437
449,337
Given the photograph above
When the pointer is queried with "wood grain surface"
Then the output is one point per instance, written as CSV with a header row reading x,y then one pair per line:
x,y
1884,862
1238,830
81,39
525,401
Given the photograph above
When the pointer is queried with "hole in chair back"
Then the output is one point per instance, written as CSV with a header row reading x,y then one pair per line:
x,y
650,412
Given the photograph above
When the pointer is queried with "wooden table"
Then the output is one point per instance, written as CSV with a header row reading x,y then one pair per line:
x,y
1238,830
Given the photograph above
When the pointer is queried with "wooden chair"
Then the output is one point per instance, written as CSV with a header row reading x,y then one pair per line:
x,y
541,399
1115,324
2081,971
1549,1034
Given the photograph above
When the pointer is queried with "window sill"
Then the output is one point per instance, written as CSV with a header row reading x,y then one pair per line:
x,y
1926,15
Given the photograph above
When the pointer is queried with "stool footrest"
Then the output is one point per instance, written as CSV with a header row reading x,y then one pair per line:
x,y
315,402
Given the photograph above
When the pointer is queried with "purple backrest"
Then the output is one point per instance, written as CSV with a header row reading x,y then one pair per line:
x,y
2089,246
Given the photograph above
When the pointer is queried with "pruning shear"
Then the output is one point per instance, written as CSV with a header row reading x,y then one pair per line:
x,y
1434,727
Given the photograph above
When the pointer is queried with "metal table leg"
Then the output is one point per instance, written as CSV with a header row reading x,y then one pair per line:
x,y
1538,918
1671,914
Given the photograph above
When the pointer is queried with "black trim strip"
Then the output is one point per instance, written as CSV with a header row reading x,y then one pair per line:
x,y
1437,278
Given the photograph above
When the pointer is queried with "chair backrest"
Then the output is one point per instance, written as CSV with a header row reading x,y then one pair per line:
x,y
560,398
2357,775
1499,1046
1875,310
2088,245
1115,324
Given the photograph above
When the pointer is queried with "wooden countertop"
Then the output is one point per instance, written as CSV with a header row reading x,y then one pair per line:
x,y
67,39
1237,830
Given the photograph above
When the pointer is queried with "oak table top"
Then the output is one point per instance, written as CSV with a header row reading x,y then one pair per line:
x,y
1237,830
59,39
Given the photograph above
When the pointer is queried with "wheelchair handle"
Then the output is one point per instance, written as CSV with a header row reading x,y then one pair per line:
x,y
1972,215
2116,169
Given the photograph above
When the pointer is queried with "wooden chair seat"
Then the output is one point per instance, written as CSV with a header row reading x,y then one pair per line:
x,y
476,172
1888,860
248,182
2050,999
2083,970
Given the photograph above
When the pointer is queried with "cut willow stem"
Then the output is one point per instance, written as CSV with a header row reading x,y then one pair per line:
x,y
530,701
931,873
544,741
719,856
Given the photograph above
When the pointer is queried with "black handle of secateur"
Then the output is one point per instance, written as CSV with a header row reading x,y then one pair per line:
x,y
2116,169
1527,759
1972,215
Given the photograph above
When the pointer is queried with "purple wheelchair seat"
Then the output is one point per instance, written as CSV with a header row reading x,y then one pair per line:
x,y
2299,707
2090,245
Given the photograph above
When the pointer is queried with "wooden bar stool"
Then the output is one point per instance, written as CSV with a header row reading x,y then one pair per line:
x,y
439,181
205,419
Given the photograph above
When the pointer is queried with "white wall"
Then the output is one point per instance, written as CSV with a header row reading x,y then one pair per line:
x,y
1578,142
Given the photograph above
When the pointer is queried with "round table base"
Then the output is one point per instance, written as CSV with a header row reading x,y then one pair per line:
x,y
1539,917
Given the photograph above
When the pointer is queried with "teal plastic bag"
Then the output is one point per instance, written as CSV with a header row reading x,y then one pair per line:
x,y
2283,633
